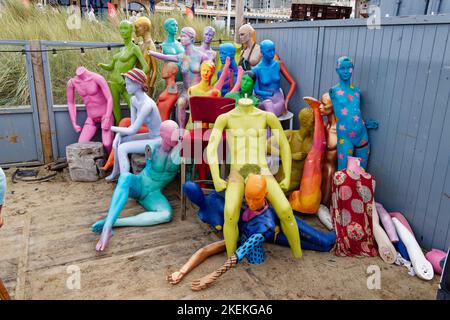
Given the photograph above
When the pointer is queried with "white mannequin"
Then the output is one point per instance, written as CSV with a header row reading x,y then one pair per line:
x,y
143,111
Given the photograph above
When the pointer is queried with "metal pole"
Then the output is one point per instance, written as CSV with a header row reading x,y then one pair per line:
x,y
229,17
238,19
126,7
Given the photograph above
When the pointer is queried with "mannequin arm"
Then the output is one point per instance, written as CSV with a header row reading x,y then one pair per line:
x,y
135,125
71,105
257,90
223,76
108,67
141,59
291,81
154,68
285,149
109,102
237,86
211,151
162,56
196,259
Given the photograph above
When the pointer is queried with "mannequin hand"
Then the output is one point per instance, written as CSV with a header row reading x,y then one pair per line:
x,y
284,184
371,124
102,65
77,128
240,71
106,122
286,106
220,184
227,62
114,128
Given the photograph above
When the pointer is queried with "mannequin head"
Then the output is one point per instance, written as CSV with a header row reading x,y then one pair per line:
x,y
171,26
306,118
187,36
256,192
142,26
207,70
326,107
344,68
125,29
208,34
267,50
246,32
169,70
247,83
169,132
135,81
226,50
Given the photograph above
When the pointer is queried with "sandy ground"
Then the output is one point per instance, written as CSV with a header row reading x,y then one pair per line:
x,y
47,230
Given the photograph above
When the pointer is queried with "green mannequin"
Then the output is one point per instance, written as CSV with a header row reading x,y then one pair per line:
x,y
300,142
170,45
246,82
123,61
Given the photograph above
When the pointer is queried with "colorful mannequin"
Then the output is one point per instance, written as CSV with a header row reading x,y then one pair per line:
x,y
386,249
204,87
170,45
353,139
124,123
258,218
208,36
244,88
143,111
169,96
300,142
143,28
251,52
246,130
268,80
123,61
2,193
97,98
190,61
162,166
307,198
330,160
227,50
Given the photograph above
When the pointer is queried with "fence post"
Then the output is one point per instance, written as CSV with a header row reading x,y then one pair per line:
x,y
41,99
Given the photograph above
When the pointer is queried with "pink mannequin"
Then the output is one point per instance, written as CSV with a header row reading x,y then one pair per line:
x,y
95,93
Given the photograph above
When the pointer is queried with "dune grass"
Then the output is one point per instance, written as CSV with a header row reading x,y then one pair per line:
x,y
22,23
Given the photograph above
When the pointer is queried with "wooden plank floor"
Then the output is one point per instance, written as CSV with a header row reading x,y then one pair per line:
x,y
47,229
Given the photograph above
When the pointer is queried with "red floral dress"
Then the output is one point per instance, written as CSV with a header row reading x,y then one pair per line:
x,y
351,209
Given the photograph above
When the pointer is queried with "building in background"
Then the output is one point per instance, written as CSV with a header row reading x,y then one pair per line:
x,y
411,7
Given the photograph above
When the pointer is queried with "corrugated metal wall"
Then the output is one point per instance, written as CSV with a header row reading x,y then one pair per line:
x,y
403,71
411,7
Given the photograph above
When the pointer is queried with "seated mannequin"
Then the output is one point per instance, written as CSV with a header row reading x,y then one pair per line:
x,y
98,100
353,139
162,166
258,223
167,99
251,53
268,81
227,52
2,193
246,128
143,111
300,142
244,88
143,28
124,123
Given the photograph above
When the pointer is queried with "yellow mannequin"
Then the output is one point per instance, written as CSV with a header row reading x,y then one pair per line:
x,y
246,129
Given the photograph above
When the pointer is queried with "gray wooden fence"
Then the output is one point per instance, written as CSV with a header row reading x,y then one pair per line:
x,y
403,71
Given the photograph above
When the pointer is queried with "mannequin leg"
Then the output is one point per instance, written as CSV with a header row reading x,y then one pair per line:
x,y
88,131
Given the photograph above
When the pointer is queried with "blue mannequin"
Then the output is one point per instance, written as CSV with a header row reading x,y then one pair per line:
x,y
353,139
162,165
228,50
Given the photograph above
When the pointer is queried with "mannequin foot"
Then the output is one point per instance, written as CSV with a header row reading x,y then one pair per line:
x,y
104,240
112,177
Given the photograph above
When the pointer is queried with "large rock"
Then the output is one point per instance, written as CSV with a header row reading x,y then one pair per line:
x,y
83,159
